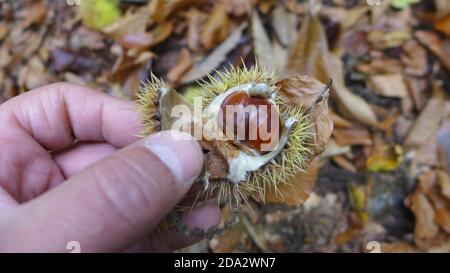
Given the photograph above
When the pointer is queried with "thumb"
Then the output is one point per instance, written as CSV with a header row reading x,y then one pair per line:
x,y
112,203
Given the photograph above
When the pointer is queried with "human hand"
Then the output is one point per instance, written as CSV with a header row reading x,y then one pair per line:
x,y
107,190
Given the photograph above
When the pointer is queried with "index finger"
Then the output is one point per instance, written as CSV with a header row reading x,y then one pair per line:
x,y
58,114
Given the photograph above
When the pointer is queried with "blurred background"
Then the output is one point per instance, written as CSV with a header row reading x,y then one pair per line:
x,y
383,183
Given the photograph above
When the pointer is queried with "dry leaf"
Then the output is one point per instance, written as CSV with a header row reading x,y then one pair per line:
x,y
202,68
426,123
137,40
300,90
4,30
425,227
131,23
312,95
309,54
352,136
285,25
414,56
416,88
397,247
349,103
262,45
391,85
217,27
384,158
443,25
380,66
195,21
439,47
36,14
184,62
333,149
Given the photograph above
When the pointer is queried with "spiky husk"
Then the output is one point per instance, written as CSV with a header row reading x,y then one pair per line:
x,y
148,105
292,160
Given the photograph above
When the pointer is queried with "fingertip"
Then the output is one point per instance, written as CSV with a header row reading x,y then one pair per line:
x,y
204,217
179,152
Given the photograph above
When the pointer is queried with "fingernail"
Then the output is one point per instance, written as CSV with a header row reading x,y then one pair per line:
x,y
179,152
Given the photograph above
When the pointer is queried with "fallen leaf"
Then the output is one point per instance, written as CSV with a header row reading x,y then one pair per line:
x,y
309,54
312,96
183,64
285,25
195,21
262,45
333,149
416,88
444,183
136,40
397,247
36,14
344,163
380,66
202,68
414,56
130,23
216,28
4,30
426,123
352,136
443,25
384,158
439,47
390,85
340,122
425,227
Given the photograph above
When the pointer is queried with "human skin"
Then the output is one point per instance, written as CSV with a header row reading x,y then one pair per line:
x,y
73,169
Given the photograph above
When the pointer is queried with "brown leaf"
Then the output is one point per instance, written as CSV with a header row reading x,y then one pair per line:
x,y
285,25
416,88
309,54
184,62
300,90
398,247
217,27
161,32
349,103
390,85
4,29
443,25
439,47
414,56
352,136
426,123
261,43
137,40
131,23
312,96
195,20
380,66
202,68
36,14
425,227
